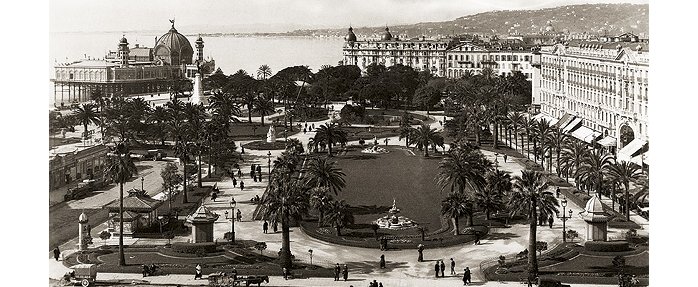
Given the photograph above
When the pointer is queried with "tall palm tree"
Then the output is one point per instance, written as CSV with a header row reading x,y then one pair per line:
x,y
624,172
158,117
593,168
324,173
490,197
321,201
516,118
556,141
119,168
541,131
462,166
339,215
182,151
424,137
574,153
98,96
264,72
287,198
330,134
86,114
527,129
264,107
529,196
225,106
455,206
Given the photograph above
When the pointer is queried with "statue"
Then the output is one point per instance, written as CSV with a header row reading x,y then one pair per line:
x,y
271,135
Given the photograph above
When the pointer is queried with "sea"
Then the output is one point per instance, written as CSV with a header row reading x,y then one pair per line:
x,y
231,53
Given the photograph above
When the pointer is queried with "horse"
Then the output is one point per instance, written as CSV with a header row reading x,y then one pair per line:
x,y
256,279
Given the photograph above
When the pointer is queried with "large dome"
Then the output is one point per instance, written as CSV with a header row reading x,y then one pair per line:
x,y
387,36
173,48
351,37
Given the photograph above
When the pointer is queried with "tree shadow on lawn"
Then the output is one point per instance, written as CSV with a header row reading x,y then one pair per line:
x,y
501,236
366,267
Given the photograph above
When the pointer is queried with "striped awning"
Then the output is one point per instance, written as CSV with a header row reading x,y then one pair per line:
x,y
585,134
572,125
608,141
566,119
631,150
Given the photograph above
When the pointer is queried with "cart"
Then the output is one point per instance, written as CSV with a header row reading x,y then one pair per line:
x,y
221,279
83,274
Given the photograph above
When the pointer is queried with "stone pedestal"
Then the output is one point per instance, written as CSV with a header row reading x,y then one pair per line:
x,y
596,219
202,224
83,232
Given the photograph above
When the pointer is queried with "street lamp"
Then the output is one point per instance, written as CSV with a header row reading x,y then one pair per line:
x,y
232,219
311,256
142,179
269,164
564,218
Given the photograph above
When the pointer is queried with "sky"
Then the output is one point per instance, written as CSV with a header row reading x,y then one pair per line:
x,y
273,15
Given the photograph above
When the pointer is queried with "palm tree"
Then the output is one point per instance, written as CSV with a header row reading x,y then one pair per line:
x,y
159,117
330,134
541,133
424,137
264,107
339,215
456,205
182,151
515,119
225,106
624,172
264,72
119,168
574,153
324,173
489,198
98,96
286,199
556,140
321,200
462,166
593,168
527,129
529,196
86,114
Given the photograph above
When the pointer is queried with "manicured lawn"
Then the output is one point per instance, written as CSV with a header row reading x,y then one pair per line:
x,y
374,180
367,134
256,131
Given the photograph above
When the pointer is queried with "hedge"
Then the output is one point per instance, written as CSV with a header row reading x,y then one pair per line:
x,y
607,246
194,248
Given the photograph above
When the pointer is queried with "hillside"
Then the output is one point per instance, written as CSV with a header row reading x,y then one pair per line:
x,y
589,18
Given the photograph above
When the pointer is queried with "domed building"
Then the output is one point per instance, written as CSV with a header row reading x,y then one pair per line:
x,y
351,37
173,48
387,36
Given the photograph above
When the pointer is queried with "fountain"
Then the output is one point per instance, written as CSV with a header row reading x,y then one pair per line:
x,y
271,135
393,221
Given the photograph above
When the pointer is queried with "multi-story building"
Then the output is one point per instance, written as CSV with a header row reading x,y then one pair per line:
x,y
504,57
71,164
597,91
421,54
140,70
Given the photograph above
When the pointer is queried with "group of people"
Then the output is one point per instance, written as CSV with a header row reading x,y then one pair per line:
x,y
440,268
338,270
265,226
306,128
256,172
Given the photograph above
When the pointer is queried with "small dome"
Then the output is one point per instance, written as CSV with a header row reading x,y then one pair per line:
x,y
82,218
199,40
351,37
387,36
123,40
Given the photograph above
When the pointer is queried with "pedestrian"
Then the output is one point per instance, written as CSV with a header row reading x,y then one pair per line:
x,y
285,272
477,238
242,185
386,141
252,173
550,221
243,150
239,215
382,262
304,130
213,196
557,192
239,173
441,123
375,283
420,249
453,267
380,284
313,126
505,158
235,182
265,226
56,253
443,268
436,269
259,169
275,226
145,270
345,272
198,274
466,276
337,269
254,178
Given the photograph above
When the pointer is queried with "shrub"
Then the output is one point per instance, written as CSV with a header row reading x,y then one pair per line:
x,y
572,234
607,246
541,246
194,248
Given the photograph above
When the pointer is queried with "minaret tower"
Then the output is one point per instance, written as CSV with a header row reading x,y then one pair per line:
x,y
199,49
123,52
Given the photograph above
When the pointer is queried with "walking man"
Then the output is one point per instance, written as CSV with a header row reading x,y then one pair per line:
x,y
443,268
420,249
382,262
242,185
466,276
285,272
56,253
550,221
198,274
265,227
336,272
345,272
453,267
436,269
505,158
235,182
239,215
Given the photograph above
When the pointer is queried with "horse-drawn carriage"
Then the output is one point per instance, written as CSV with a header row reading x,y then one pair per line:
x,y
83,274
221,279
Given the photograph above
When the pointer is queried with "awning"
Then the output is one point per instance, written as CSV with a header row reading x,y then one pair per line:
x,y
585,134
608,141
566,119
572,125
537,117
630,150
551,121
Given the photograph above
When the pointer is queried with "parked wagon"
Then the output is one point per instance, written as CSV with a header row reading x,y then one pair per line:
x,y
221,279
83,274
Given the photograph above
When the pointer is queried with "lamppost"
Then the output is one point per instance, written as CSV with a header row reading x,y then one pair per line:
x,y
269,164
311,256
564,218
142,179
232,219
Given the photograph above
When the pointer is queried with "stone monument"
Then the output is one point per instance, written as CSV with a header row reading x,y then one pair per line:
x,y
202,224
84,237
393,221
271,135
596,219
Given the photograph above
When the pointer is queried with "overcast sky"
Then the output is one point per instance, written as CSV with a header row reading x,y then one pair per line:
x,y
128,15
